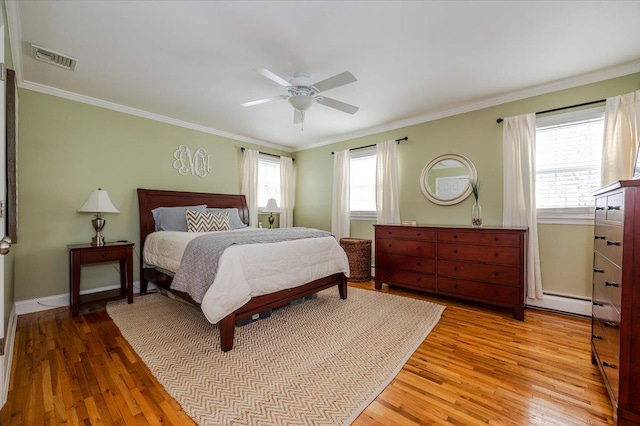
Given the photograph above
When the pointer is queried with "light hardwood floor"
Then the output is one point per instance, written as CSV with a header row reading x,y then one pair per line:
x,y
478,366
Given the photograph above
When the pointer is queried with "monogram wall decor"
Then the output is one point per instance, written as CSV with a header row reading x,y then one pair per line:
x,y
197,164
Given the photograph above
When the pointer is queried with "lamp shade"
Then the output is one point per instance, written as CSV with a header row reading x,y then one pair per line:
x,y
272,206
98,202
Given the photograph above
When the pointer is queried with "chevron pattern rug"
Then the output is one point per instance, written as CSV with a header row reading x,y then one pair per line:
x,y
318,363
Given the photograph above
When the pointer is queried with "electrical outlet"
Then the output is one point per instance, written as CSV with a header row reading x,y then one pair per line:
x,y
255,316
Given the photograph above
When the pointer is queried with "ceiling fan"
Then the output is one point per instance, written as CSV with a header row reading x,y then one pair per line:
x,y
303,93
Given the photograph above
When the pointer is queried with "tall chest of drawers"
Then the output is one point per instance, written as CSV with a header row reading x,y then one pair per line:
x,y
615,339
484,265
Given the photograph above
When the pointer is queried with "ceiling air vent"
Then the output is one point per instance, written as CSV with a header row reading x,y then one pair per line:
x,y
54,58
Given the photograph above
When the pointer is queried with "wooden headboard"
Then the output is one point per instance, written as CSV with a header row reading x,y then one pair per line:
x,y
149,199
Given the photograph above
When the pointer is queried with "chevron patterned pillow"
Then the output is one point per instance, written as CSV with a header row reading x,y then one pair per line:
x,y
207,222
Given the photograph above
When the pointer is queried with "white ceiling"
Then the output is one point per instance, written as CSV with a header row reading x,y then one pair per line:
x,y
192,63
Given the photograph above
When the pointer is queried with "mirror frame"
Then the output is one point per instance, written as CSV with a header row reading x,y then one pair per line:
x,y
473,175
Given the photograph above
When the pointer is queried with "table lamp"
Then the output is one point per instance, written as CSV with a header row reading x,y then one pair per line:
x,y
272,207
98,203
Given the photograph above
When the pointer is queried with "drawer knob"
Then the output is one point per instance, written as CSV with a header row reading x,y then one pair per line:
x,y
613,207
599,208
600,237
595,336
597,304
495,292
418,234
390,245
104,254
611,284
419,264
455,268
455,286
455,236
455,251
419,279
606,364
610,324
495,254
600,271
495,274
496,239
613,243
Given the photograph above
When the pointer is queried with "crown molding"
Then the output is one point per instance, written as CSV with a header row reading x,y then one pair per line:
x,y
543,89
41,88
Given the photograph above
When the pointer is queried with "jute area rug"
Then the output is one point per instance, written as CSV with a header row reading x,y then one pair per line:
x,y
318,363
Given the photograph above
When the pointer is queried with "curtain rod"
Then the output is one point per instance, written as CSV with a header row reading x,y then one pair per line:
x,y
265,153
406,138
500,120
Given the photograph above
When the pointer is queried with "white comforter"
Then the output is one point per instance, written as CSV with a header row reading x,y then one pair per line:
x,y
249,270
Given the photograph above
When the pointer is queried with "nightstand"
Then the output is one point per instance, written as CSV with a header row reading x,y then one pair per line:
x,y
85,254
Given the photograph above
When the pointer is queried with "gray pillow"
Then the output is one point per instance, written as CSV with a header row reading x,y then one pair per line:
x,y
173,218
234,216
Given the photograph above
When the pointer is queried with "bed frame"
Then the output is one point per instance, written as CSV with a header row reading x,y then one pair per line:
x,y
149,199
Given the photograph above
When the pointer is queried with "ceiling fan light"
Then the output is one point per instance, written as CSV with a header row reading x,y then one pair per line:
x,y
301,102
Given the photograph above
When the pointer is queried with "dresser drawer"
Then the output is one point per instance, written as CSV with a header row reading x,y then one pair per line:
x,y
406,233
406,247
479,237
509,275
493,293
407,263
406,278
103,255
609,365
477,253
615,207
608,332
608,277
608,242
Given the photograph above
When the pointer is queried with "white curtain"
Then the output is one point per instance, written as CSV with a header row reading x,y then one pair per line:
x,y
387,209
340,208
621,120
250,184
286,192
519,206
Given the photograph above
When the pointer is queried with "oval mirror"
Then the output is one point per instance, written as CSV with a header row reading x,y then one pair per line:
x,y
445,180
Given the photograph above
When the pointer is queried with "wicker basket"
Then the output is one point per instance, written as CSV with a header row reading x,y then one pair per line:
x,y
359,254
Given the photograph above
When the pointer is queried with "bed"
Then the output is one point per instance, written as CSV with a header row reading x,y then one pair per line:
x,y
151,199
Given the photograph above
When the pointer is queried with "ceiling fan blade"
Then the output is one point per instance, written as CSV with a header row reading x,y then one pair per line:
x,y
335,81
273,77
298,116
350,109
262,101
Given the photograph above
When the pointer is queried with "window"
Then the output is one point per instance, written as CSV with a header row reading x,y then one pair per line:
x,y
268,180
568,162
362,184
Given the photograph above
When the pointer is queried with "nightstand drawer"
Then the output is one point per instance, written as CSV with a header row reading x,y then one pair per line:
x,y
104,255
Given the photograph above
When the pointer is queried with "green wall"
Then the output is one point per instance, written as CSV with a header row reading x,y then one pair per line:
x,y
476,135
66,149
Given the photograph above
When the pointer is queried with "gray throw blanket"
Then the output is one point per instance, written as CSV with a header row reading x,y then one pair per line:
x,y
199,263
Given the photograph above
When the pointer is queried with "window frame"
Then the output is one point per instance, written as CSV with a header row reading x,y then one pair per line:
x,y
272,160
362,214
583,215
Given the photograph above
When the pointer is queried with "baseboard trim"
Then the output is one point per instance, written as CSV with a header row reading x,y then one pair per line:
x,y
562,304
62,300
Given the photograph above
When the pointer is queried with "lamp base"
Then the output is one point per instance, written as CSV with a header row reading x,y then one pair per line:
x,y
98,223
271,219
